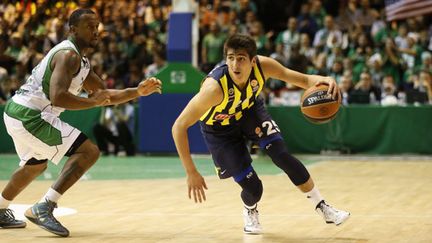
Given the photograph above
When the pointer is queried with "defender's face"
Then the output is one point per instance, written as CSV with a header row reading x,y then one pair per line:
x,y
239,65
87,30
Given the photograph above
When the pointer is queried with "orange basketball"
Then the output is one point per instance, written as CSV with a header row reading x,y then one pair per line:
x,y
317,106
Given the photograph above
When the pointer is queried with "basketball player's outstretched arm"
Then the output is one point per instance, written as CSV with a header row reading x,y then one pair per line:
x,y
64,65
274,69
93,83
209,95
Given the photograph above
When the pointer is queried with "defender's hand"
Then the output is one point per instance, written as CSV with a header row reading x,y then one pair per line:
x,y
196,186
149,86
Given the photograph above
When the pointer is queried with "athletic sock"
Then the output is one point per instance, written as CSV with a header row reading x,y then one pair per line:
x,y
250,207
315,196
4,203
51,195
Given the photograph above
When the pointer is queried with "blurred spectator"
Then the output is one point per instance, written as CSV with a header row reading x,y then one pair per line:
x,y
426,61
329,36
261,39
113,129
8,87
306,49
56,35
364,91
3,77
375,63
212,47
401,40
297,61
243,7
365,15
345,19
317,12
392,61
346,87
157,65
389,92
16,49
421,91
306,23
288,37
360,53
336,70
279,55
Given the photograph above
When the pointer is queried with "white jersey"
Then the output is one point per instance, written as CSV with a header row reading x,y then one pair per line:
x,y
34,94
32,121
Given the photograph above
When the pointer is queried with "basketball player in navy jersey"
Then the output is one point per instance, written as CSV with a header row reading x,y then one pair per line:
x,y
230,111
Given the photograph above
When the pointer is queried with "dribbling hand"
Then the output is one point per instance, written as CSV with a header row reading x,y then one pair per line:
x,y
333,89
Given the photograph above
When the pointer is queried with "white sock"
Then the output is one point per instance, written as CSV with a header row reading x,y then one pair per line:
x,y
315,196
250,207
4,203
51,195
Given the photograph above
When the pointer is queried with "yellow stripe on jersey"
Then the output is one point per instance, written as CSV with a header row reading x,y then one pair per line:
x,y
235,100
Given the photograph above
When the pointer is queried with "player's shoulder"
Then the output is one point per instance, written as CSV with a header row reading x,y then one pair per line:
x,y
218,72
68,57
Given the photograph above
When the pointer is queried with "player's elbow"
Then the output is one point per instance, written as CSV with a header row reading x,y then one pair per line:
x,y
178,126
175,128
56,100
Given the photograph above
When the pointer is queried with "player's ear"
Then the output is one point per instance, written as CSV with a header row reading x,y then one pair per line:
x,y
254,60
72,29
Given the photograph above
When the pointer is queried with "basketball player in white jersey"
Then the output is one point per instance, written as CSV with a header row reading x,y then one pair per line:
x,y
32,120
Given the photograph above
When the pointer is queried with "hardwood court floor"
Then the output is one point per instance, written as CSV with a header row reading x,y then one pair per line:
x,y
390,201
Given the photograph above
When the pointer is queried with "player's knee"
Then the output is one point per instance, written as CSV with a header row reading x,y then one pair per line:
x,y
295,170
91,153
34,166
94,153
251,185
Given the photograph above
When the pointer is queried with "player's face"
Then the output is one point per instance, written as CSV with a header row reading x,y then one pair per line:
x,y
87,30
239,65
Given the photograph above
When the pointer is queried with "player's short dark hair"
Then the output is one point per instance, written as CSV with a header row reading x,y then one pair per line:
x,y
75,16
240,41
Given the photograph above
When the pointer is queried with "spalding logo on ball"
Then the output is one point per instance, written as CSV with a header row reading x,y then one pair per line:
x,y
319,107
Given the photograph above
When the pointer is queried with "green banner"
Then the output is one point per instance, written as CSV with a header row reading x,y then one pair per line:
x,y
180,78
359,129
356,129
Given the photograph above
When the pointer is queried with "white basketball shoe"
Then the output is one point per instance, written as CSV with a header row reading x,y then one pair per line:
x,y
331,215
251,221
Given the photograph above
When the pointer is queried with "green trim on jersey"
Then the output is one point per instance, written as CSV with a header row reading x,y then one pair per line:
x,y
72,39
34,124
48,72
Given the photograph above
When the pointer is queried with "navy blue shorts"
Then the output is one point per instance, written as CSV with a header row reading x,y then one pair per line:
x,y
227,144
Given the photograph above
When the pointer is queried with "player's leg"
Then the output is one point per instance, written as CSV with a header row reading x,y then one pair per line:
x,y
29,169
232,159
299,175
260,126
251,193
83,154
19,180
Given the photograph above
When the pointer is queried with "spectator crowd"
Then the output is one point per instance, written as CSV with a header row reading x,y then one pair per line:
x,y
372,60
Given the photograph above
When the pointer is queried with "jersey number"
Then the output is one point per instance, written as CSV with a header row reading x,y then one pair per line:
x,y
271,127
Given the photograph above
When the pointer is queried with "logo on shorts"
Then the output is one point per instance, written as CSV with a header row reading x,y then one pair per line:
x,y
258,131
249,175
